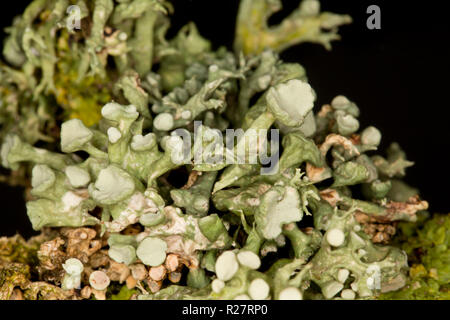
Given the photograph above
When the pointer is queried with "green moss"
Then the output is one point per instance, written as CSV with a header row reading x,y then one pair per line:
x,y
124,293
17,250
79,99
429,256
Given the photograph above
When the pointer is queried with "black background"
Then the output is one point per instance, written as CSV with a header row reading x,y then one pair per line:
x,y
173,309
398,76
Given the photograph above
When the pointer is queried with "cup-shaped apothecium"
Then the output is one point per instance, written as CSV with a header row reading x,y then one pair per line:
x,y
290,102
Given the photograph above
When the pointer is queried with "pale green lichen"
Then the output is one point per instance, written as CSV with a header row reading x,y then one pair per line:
x,y
143,182
304,24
